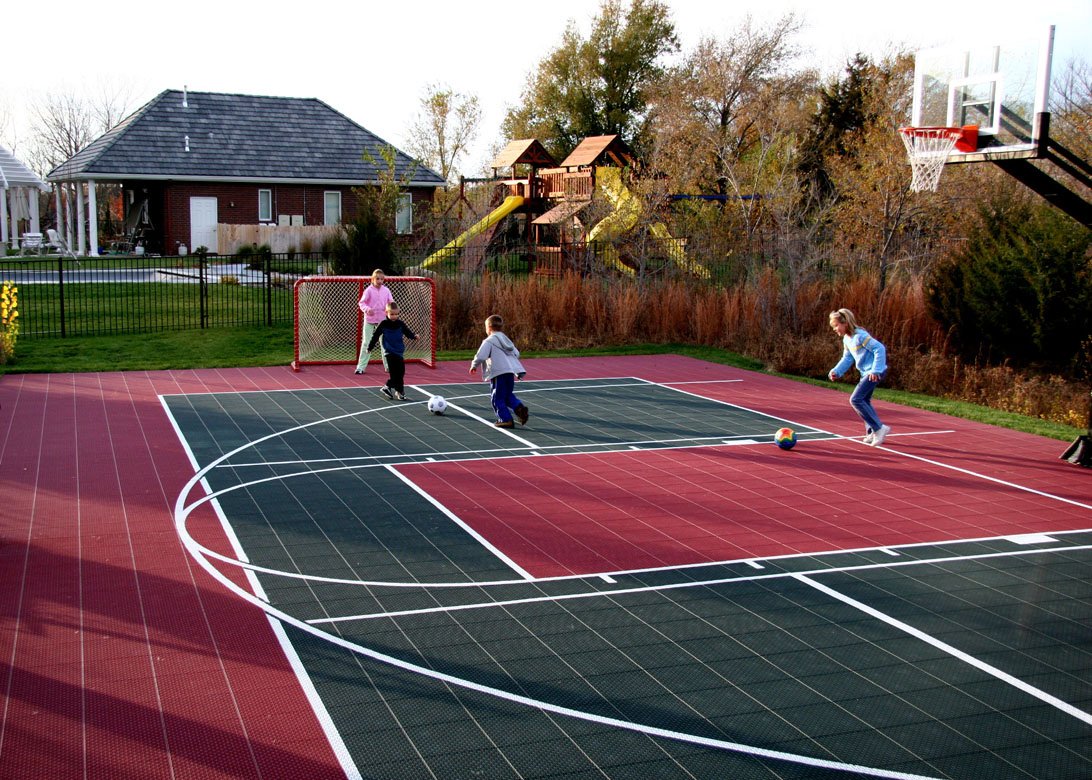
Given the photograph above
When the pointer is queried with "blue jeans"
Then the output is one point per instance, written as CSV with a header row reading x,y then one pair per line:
x,y
503,396
861,401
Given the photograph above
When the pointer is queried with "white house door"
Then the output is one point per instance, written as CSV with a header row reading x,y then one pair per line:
x,y
203,217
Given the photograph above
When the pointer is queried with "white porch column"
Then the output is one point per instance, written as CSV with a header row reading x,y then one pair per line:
x,y
69,222
81,240
59,216
93,219
35,211
3,215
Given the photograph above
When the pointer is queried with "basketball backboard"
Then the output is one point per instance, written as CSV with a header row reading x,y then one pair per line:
x,y
1000,87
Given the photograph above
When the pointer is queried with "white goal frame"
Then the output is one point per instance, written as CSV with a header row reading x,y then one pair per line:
x,y
328,324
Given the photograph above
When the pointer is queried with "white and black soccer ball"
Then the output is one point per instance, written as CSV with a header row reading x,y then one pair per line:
x,y
437,404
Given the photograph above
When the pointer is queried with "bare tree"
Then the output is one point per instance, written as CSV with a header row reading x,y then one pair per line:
x,y
7,135
64,123
444,128
1071,120
710,109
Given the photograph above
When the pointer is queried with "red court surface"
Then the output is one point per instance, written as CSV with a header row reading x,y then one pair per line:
x,y
123,659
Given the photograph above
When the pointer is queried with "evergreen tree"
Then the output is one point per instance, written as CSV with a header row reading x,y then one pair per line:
x,y
1020,289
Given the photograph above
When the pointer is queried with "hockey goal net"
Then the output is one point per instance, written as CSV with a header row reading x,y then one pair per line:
x,y
329,324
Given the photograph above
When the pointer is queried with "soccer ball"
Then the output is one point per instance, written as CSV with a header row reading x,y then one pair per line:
x,y
437,404
785,438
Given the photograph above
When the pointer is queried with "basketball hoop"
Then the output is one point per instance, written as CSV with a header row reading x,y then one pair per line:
x,y
928,149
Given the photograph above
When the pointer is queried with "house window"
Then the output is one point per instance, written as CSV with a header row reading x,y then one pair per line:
x,y
332,203
403,218
265,205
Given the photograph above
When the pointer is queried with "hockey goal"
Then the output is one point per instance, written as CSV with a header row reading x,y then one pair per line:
x,y
329,324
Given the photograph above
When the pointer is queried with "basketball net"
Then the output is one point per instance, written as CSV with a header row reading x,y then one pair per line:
x,y
928,149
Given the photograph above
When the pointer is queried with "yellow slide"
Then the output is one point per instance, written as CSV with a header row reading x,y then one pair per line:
x,y
627,211
510,204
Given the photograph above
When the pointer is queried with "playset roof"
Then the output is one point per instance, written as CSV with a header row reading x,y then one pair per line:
x,y
597,149
525,151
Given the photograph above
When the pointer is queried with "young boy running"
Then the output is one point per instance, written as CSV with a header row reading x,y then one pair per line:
x,y
500,359
391,332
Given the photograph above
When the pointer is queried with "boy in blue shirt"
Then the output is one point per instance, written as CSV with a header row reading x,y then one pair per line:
x,y
870,356
391,332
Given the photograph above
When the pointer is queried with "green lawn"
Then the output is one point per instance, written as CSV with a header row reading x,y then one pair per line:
x,y
272,346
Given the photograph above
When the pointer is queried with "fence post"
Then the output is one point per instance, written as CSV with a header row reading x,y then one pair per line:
x,y
267,259
60,291
204,287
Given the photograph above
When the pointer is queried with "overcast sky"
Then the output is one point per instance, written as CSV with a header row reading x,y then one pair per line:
x,y
372,61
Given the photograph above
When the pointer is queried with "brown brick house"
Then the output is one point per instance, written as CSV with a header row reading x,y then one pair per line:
x,y
189,161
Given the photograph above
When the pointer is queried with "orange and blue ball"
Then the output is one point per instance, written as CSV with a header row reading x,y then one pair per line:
x,y
785,438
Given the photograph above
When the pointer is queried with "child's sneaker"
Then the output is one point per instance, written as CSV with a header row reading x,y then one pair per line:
x,y
868,438
386,391
399,396
504,424
880,435
359,371
522,412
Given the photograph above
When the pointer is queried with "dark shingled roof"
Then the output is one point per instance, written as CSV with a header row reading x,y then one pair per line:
x,y
239,137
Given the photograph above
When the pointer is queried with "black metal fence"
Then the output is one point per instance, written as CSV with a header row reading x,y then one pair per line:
x,y
105,295
62,296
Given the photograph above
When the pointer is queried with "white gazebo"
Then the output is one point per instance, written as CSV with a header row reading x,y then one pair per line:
x,y
19,188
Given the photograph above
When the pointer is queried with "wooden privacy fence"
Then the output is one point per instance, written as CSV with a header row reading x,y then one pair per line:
x,y
280,238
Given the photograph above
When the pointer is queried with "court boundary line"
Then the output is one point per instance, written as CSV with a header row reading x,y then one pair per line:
x,y
307,685
987,477
709,583
637,380
967,658
210,495
704,441
181,514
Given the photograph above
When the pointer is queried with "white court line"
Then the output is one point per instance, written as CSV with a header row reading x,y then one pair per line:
x,y
486,452
210,495
1031,690
701,382
591,594
181,514
459,522
307,685
987,477
811,428
629,380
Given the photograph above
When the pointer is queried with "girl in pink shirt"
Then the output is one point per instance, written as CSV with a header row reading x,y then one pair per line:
x,y
374,305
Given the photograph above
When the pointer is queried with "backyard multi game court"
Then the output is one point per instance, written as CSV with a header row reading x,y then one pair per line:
x,y
267,573
262,573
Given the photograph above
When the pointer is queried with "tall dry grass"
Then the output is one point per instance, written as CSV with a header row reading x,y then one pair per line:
x,y
785,326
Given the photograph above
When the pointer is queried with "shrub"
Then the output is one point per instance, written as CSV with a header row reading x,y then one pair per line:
x,y
1020,290
363,244
9,320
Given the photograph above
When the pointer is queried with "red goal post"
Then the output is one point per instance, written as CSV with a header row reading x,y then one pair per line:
x,y
328,323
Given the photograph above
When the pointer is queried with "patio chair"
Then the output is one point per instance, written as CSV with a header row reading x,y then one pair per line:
x,y
31,244
58,245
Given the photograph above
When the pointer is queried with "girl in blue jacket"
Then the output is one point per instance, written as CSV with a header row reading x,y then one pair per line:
x,y
870,357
